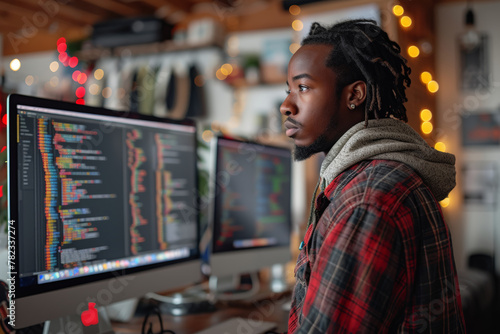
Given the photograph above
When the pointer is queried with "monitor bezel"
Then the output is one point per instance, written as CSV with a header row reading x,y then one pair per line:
x,y
25,297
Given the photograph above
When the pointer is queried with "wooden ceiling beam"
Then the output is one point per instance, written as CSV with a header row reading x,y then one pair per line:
x,y
55,11
185,6
117,7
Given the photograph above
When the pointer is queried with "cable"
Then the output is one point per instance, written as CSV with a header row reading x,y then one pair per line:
x,y
157,312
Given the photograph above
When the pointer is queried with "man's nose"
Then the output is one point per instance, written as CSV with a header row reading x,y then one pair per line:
x,y
288,107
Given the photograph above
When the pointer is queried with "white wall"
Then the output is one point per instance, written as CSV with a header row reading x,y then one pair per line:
x,y
474,228
35,64
371,11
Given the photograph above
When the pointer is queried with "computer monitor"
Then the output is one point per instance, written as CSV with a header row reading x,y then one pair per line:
x,y
251,219
102,206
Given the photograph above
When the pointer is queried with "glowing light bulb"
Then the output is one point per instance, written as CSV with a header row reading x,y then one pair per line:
x,y
413,51
405,21
425,115
73,61
398,10
220,75
445,202
29,80
62,47
297,25
425,77
294,10
80,92
107,92
427,127
54,66
440,146
15,64
432,86
207,135
98,74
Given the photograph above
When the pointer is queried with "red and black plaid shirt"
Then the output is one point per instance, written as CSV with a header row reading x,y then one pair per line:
x,y
378,259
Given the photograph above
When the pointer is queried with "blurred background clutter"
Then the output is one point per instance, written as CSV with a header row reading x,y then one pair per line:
x,y
224,63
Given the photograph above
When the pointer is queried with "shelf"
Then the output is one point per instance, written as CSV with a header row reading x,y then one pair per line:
x,y
95,52
242,83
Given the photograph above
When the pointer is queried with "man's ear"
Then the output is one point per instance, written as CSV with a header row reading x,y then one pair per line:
x,y
355,93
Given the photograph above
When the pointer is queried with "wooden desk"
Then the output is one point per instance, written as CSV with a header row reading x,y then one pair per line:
x,y
268,309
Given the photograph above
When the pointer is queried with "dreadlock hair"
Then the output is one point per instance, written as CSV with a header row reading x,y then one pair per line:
x,y
363,51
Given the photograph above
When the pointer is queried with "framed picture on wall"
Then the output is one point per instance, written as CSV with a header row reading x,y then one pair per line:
x,y
480,183
474,69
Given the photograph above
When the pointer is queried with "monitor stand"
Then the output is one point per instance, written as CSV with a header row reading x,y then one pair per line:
x,y
232,287
72,324
190,301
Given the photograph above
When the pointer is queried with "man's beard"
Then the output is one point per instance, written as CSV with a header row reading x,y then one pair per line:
x,y
321,144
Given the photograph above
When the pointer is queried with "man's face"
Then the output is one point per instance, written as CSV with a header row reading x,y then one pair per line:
x,y
317,117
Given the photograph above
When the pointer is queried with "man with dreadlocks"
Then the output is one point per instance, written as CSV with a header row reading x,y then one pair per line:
x,y
377,255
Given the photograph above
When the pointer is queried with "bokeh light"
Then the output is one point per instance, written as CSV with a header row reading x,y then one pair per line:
x,y
75,75
80,92
440,146
199,81
226,69
425,77
15,64
294,47
94,89
445,202
405,21
73,61
413,51
220,75
29,80
294,10
54,66
297,25
62,47
432,86
106,92
427,127
82,78
54,81
425,115
98,74
207,135
398,10
63,57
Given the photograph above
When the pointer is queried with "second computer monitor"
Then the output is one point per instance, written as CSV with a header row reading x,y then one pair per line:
x,y
252,206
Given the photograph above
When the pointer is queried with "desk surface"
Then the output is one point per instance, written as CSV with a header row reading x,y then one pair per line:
x,y
267,309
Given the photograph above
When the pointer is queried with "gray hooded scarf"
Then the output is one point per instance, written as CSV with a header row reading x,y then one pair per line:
x,y
390,139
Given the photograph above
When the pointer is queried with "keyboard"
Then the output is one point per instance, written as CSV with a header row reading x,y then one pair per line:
x,y
240,325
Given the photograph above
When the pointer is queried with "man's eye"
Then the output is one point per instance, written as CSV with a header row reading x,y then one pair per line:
x,y
302,88
287,92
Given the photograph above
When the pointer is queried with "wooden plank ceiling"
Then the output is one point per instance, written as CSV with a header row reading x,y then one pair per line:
x,y
35,25
29,25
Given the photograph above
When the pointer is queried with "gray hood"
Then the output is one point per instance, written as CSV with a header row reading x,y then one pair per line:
x,y
391,139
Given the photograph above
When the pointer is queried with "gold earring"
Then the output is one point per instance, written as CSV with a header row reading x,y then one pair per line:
x,y
352,106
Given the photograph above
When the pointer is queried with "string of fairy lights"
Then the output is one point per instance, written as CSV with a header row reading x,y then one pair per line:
x,y
426,79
